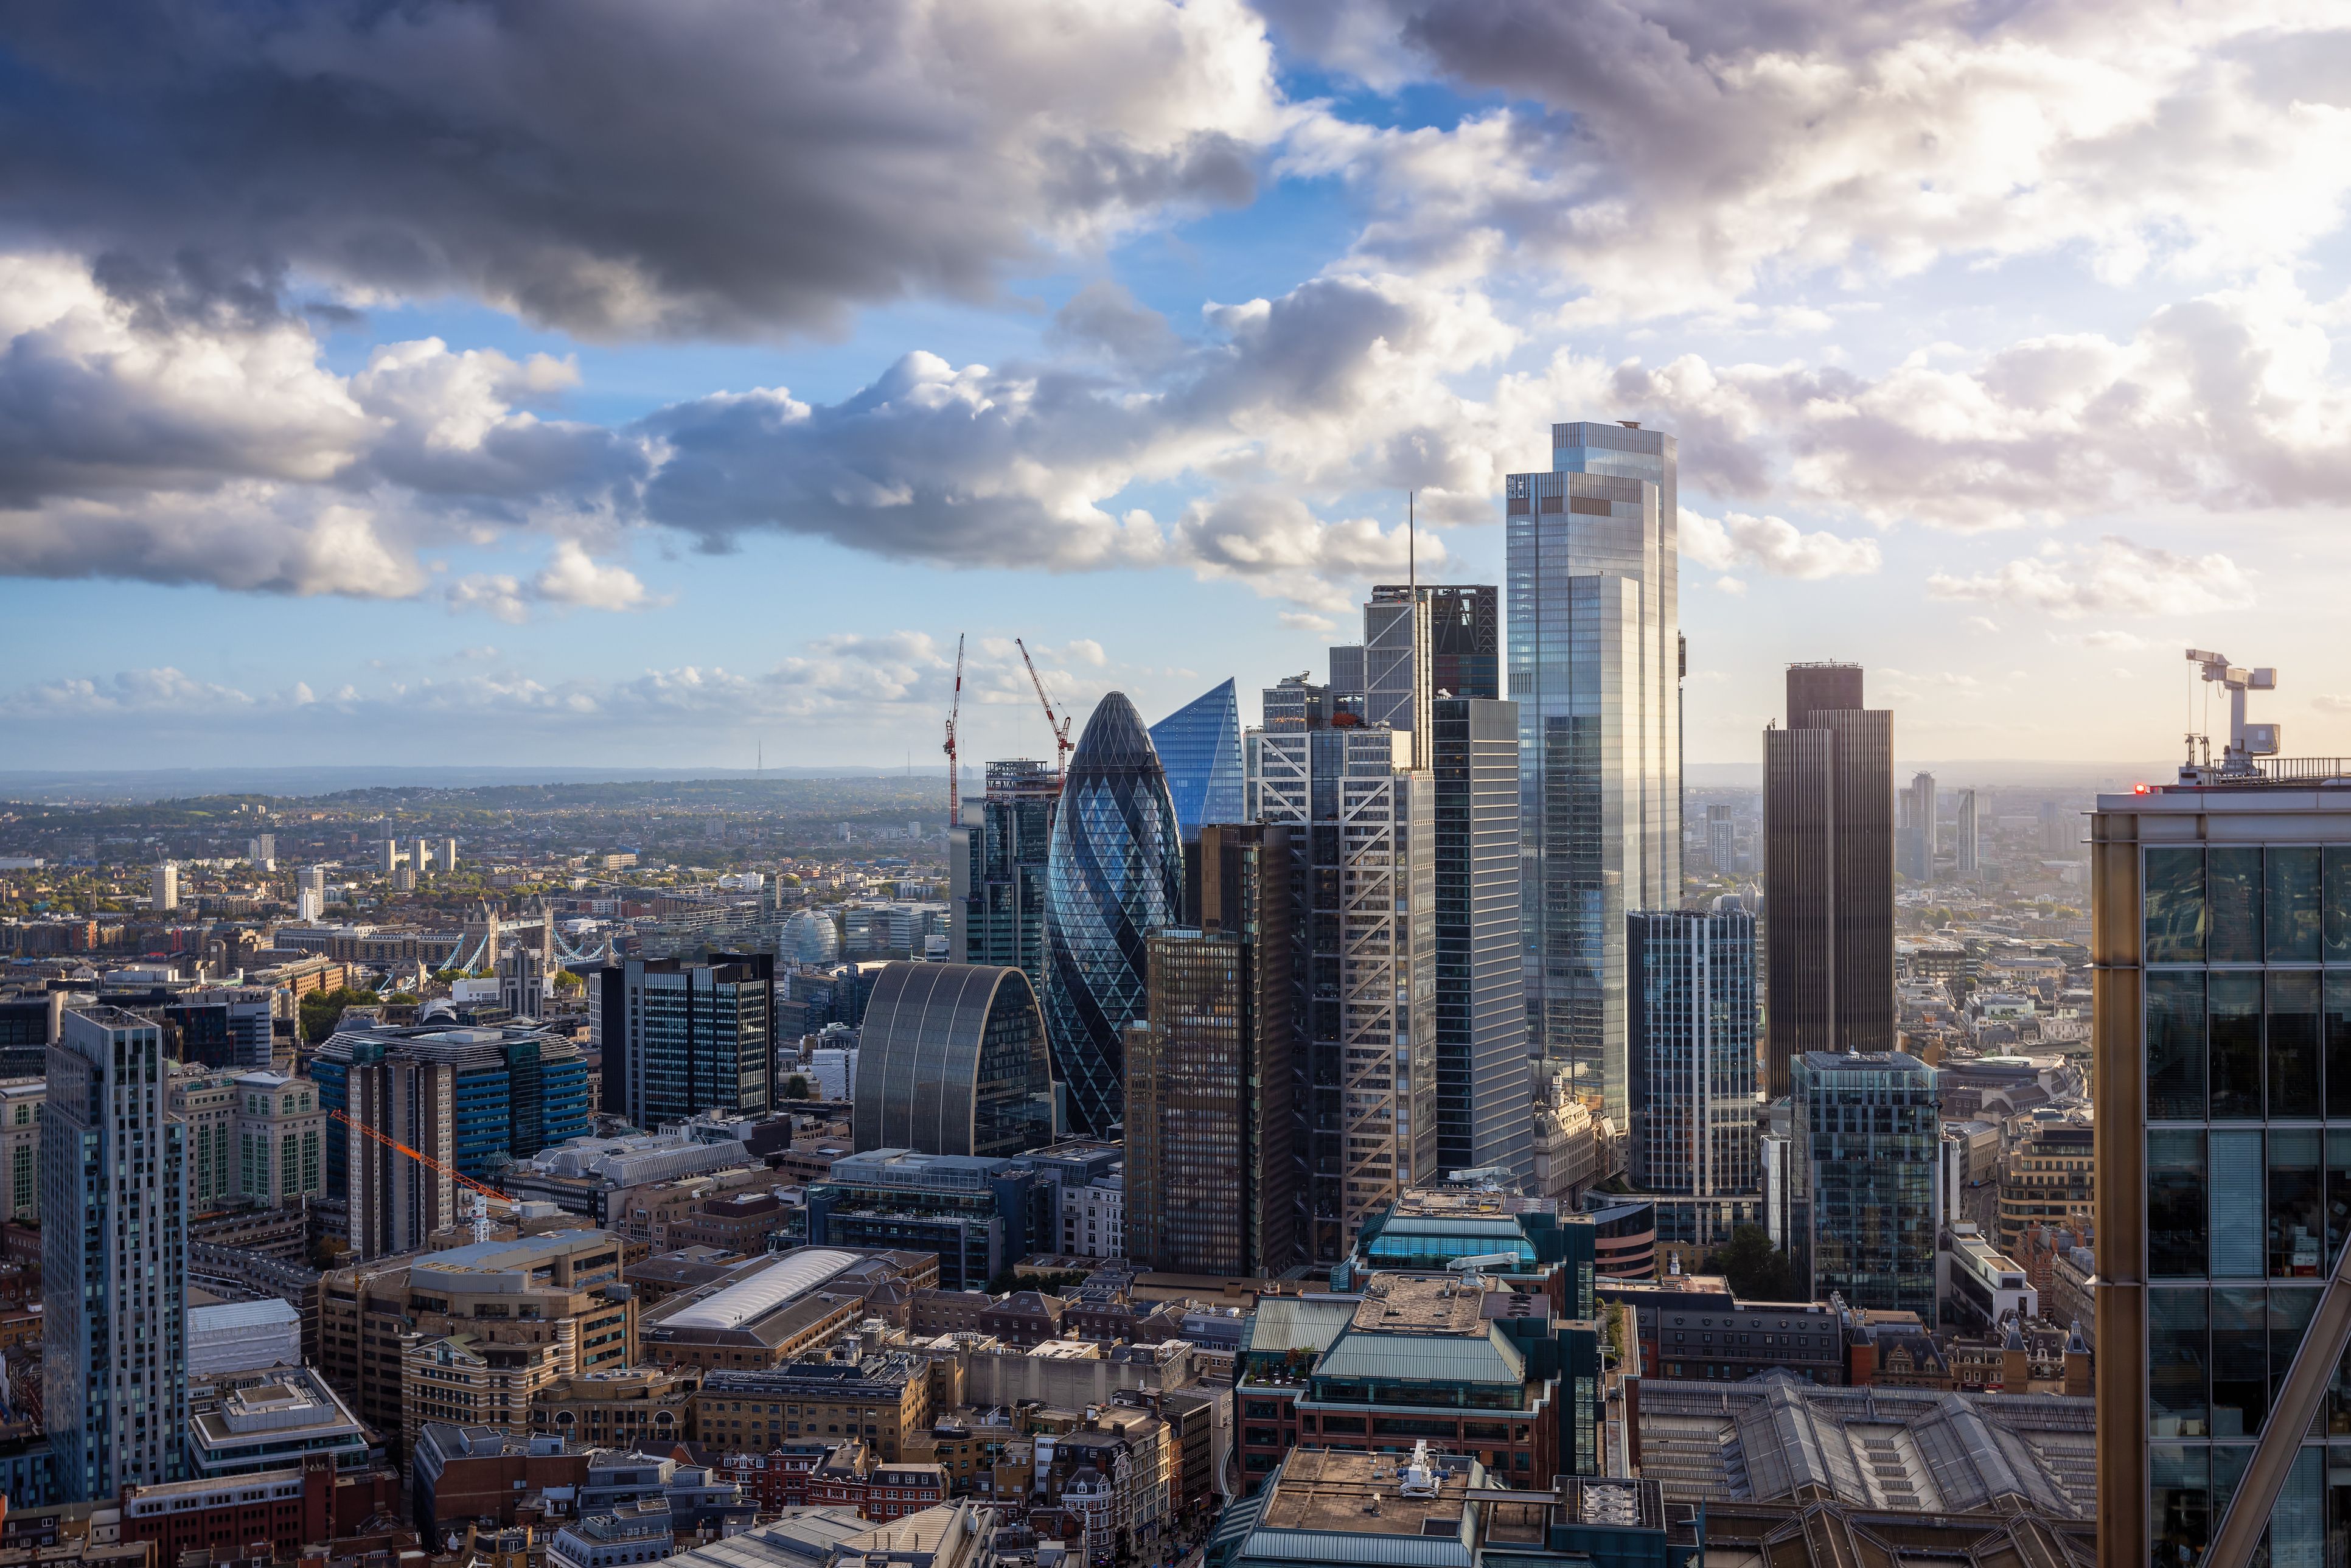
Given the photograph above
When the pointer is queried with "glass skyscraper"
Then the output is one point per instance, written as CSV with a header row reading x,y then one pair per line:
x,y
1595,663
995,870
1115,874
1363,837
1693,1051
1868,1136
2221,954
1200,748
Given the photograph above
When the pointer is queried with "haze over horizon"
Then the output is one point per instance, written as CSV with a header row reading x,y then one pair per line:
x,y
380,387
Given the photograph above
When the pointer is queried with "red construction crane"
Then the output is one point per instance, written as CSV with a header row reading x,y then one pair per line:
x,y
954,771
1060,727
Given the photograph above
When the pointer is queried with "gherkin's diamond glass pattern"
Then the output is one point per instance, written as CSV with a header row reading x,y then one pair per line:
x,y
1115,872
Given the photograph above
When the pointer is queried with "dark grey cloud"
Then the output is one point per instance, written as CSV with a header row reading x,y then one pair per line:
x,y
614,168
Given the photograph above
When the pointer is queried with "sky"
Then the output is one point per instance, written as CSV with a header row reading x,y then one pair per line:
x,y
613,384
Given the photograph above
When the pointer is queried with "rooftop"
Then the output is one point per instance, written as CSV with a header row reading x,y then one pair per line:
x,y
1401,1303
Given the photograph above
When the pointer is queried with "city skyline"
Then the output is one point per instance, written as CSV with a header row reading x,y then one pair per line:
x,y
2012,421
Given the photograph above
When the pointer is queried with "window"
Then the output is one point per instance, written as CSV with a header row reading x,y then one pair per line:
x,y
2233,1055
2174,906
2175,1045
2176,1203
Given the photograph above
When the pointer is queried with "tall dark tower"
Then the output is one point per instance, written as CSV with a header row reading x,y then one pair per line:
x,y
1115,874
1828,872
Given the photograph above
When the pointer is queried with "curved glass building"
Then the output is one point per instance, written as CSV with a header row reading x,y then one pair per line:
x,y
1114,873
952,1060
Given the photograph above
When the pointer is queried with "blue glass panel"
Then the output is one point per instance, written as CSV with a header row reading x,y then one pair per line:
x,y
1200,748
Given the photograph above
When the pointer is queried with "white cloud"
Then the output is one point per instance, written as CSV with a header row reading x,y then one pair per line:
x,y
573,577
1773,545
2115,577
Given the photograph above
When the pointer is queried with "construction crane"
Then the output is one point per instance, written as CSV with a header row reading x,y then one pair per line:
x,y
482,1194
1060,727
954,770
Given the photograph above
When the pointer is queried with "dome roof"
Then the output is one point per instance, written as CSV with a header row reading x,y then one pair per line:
x,y
1115,742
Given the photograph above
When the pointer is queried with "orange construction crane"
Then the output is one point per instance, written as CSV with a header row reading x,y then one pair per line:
x,y
1060,727
421,1158
955,774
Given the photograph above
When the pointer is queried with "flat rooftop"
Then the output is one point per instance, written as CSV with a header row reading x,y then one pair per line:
x,y
1325,1490
1399,1303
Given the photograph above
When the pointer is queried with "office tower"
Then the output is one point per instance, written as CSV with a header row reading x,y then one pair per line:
x,y
1398,667
1485,1082
2058,835
952,1060
114,1381
997,859
1721,840
694,1036
395,1202
1295,703
262,851
1115,872
1868,1134
522,983
20,1147
1966,843
1363,859
1349,679
2220,924
310,894
1914,843
1594,660
518,1090
221,1026
1693,1049
1210,1183
1464,639
1200,748
164,885
1828,873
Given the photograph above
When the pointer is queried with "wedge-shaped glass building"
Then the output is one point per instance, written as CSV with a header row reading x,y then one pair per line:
x,y
1114,875
953,1062
1200,748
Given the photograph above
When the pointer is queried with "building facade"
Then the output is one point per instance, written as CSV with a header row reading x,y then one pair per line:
x,y
1868,1136
114,1380
1363,839
20,1146
1828,872
1115,872
1595,663
952,1060
2220,952
996,871
1211,1184
1200,748
1692,977
1485,1082
692,1037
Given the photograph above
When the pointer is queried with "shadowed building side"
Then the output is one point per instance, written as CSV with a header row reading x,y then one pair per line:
x,y
953,1061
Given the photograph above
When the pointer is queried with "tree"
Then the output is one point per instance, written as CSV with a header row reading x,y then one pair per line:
x,y
1757,1270
321,1011
796,1087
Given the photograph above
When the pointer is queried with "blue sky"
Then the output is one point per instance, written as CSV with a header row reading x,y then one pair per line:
x,y
653,397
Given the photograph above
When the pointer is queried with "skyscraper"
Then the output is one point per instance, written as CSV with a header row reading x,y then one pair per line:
x,y
114,1181
995,870
1828,873
1693,1051
952,1060
1210,1181
1438,675
1721,840
2221,960
1913,844
1966,836
1200,748
1869,1133
694,1036
1595,663
1363,830
1115,872
164,885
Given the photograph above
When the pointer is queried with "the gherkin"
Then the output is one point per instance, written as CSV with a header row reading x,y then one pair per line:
x,y
1114,872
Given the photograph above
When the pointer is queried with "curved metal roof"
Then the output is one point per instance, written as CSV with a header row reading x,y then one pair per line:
x,y
776,1285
